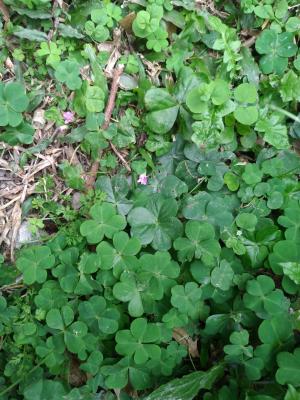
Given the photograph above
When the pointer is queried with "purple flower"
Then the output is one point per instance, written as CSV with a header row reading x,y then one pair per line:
x,y
68,117
143,179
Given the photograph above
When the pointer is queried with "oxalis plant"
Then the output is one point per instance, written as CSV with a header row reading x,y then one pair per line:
x,y
194,275
177,275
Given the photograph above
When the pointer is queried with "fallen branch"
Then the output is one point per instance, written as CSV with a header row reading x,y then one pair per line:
x,y
90,180
4,11
126,165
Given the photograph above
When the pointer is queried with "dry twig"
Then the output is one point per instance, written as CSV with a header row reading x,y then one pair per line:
x,y
90,180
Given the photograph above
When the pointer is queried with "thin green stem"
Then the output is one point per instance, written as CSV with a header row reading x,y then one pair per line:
x,y
9,388
284,112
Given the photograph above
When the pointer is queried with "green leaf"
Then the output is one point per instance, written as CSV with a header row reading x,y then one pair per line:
x,y
185,297
68,72
13,101
246,221
94,99
57,319
119,256
45,389
252,174
292,270
99,317
105,222
263,299
93,363
216,210
160,271
290,87
34,262
138,342
222,276
157,224
238,349
200,243
289,368
22,133
128,291
276,330
75,338
118,375
188,386
246,97
116,189
276,47
30,34
162,110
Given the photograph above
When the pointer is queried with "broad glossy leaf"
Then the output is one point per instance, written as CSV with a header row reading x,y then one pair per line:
x,y
188,386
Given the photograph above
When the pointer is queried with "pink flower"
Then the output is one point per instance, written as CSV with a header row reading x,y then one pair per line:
x,y
68,117
143,179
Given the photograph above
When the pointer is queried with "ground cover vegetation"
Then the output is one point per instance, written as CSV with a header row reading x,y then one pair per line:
x,y
152,148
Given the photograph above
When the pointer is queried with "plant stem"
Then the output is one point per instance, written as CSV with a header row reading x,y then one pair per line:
x,y
9,388
286,113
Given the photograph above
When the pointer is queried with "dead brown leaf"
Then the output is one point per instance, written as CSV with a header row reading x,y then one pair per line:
x,y
181,336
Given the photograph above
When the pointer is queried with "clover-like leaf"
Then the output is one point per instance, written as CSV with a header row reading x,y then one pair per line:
x,y
13,101
289,368
128,291
246,97
95,97
275,133
120,255
59,319
262,297
74,338
105,222
50,296
291,221
139,341
68,72
116,189
246,221
98,316
200,243
34,262
162,110
284,251
157,224
159,270
93,363
124,371
73,278
22,133
216,210
276,330
185,297
45,389
252,174
222,276
238,350
276,49
138,291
